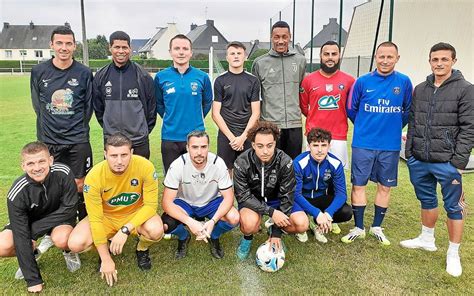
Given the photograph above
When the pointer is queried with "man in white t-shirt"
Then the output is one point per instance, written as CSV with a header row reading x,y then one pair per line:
x,y
198,186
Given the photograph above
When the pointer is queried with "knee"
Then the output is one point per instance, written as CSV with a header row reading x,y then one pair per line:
x,y
233,217
77,244
169,223
60,240
249,225
154,231
300,222
345,214
7,249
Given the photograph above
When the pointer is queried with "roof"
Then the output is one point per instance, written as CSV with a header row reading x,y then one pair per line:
x,y
201,36
152,40
136,44
26,36
329,32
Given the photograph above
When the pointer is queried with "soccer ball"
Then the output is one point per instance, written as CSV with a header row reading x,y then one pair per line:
x,y
268,259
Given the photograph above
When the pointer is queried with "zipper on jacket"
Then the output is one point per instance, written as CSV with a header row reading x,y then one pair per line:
x,y
284,90
263,184
317,178
428,124
45,192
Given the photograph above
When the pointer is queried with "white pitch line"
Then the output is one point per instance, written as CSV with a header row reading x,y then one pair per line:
x,y
250,281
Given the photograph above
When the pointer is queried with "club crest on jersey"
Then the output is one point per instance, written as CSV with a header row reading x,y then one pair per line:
x,y
61,102
341,86
295,67
329,87
194,86
124,199
327,175
134,182
85,188
329,102
155,176
73,82
396,90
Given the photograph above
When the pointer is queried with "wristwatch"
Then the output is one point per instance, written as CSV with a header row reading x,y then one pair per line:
x,y
125,230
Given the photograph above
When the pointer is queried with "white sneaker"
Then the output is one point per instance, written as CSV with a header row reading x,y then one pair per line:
x,y
302,237
19,273
453,265
378,233
45,244
420,243
354,233
73,262
320,237
335,228
269,223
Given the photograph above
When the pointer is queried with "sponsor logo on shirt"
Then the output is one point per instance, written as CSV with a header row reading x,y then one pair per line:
x,y
73,82
329,102
382,107
108,83
329,87
61,102
132,93
45,82
124,199
170,91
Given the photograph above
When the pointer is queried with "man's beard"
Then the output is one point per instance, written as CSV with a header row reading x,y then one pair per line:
x,y
330,70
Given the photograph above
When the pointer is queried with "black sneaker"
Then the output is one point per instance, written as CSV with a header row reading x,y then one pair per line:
x,y
182,249
215,247
143,260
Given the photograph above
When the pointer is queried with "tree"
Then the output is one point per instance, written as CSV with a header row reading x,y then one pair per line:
x,y
98,48
257,53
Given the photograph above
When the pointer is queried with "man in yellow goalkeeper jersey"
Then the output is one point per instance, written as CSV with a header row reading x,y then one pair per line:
x,y
121,195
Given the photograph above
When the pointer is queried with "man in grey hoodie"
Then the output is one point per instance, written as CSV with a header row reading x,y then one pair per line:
x,y
280,72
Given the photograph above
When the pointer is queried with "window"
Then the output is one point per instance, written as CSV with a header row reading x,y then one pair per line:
x,y
38,53
51,53
34,38
8,54
23,52
334,36
215,39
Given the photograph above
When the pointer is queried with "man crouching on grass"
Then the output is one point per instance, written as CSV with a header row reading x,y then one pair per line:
x,y
121,195
42,201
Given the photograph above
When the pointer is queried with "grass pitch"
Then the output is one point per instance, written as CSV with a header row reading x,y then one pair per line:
x,y
363,267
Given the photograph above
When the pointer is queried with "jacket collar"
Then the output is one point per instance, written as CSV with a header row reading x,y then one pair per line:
x,y
290,52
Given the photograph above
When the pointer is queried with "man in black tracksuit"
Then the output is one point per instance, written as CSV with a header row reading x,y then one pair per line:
x,y
42,201
440,139
124,96
264,184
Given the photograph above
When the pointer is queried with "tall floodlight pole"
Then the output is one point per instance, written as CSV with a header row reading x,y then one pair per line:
x,y
85,47
311,42
279,16
390,23
294,14
376,35
340,22
271,24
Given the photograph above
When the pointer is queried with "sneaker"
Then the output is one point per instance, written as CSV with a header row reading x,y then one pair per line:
x,y
320,237
169,236
45,244
182,249
19,273
354,233
73,262
335,228
453,265
143,260
243,250
302,237
215,247
269,223
378,233
420,243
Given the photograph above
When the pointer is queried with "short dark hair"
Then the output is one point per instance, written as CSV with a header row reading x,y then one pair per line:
x,y
63,30
34,147
330,42
237,44
119,35
281,24
181,36
319,135
443,46
263,127
197,134
117,140
387,44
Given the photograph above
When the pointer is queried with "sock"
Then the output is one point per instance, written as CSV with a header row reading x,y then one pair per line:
x,y
144,243
453,248
379,214
221,228
180,232
81,207
427,233
358,216
248,237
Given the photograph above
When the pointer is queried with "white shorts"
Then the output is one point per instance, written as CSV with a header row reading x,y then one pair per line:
x,y
338,148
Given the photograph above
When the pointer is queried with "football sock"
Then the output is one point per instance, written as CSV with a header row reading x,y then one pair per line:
x,y
221,228
180,232
427,232
378,215
453,248
81,207
144,243
358,216
248,237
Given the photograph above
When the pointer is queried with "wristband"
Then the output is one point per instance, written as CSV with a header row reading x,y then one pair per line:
x,y
215,222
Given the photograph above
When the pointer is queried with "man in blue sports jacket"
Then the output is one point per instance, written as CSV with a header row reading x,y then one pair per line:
x,y
183,97
315,170
378,106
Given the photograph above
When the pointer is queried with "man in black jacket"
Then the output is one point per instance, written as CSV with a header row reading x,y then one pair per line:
x,y
264,184
124,96
439,142
42,201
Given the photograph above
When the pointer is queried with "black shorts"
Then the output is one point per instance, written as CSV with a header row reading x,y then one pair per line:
x,y
170,151
77,156
225,151
142,150
343,214
291,141
71,223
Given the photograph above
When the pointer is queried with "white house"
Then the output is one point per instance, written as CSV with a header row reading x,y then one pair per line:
x,y
157,47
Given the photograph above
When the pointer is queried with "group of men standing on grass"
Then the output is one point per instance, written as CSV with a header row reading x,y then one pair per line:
x,y
258,162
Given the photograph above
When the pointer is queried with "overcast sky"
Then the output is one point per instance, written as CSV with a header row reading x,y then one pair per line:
x,y
241,20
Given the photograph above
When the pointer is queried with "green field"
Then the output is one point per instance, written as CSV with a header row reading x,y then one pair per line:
x,y
363,267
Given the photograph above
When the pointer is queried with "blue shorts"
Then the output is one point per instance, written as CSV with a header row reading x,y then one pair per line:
x,y
425,175
200,212
377,165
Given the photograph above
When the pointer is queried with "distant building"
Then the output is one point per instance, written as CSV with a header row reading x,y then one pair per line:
x,y
136,44
329,32
256,45
205,36
157,47
26,42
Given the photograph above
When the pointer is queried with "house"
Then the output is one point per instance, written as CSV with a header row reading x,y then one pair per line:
x,y
26,42
136,44
256,45
157,47
205,36
329,32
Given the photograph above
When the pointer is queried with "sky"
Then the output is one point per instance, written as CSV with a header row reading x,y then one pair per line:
x,y
241,20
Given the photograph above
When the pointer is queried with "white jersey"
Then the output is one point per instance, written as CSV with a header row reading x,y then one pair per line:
x,y
195,187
